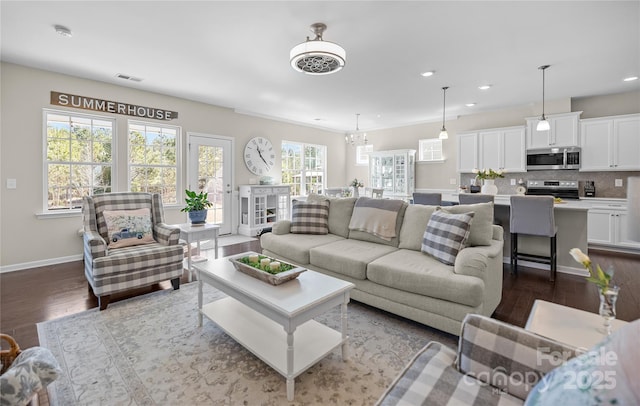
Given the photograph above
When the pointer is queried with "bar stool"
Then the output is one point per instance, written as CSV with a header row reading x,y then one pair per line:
x,y
431,199
472,198
533,215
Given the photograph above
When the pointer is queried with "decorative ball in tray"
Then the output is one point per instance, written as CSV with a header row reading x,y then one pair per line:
x,y
265,268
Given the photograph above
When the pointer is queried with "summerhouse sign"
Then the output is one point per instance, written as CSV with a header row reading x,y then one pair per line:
x,y
107,106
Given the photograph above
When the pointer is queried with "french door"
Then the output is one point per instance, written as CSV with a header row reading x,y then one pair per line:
x,y
209,170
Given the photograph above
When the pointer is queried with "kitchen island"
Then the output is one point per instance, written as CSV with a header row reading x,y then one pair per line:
x,y
571,220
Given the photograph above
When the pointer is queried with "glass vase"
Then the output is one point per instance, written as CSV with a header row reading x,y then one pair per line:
x,y
608,298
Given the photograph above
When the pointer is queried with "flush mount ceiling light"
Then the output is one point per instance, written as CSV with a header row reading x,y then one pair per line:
x,y
316,56
443,133
356,138
484,87
428,73
62,30
543,124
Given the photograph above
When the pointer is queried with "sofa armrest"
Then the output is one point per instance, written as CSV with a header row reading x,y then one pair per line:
x,y
281,227
94,245
505,356
166,234
498,232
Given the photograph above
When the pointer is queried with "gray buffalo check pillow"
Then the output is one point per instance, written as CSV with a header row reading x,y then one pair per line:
x,y
446,235
310,217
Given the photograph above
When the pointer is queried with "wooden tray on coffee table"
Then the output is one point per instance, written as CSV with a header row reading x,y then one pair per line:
x,y
273,279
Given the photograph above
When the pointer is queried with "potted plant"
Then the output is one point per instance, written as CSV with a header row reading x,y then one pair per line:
x,y
196,206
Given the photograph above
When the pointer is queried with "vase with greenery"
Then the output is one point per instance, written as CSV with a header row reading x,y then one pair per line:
x,y
355,184
607,291
196,205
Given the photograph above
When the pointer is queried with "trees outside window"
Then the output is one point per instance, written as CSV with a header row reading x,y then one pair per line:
x,y
78,158
153,159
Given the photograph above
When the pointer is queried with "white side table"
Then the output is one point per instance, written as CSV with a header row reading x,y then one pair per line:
x,y
568,325
197,233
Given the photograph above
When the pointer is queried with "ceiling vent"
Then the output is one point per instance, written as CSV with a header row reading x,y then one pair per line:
x,y
127,77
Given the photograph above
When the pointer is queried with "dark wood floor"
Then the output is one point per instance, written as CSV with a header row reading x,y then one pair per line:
x,y
31,296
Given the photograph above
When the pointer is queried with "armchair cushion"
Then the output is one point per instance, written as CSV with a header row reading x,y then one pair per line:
x,y
128,227
507,357
31,371
431,379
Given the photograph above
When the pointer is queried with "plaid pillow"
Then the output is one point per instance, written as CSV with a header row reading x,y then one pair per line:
x,y
310,218
446,235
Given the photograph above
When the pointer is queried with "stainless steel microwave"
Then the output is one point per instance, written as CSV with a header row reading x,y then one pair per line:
x,y
553,158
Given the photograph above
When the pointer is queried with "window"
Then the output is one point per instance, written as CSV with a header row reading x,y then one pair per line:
x,y
362,154
305,172
430,150
154,159
78,158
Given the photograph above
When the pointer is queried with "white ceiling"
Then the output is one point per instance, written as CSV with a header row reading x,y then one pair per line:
x,y
236,53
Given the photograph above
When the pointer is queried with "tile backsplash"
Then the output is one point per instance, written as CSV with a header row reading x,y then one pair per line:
x,y
604,181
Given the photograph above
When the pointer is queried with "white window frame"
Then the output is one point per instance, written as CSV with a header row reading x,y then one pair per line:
x,y
362,154
423,146
62,212
178,164
303,170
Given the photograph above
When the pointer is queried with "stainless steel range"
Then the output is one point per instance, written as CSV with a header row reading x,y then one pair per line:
x,y
565,189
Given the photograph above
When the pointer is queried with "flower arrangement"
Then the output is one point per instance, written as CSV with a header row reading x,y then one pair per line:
x,y
599,277
356,183
488,173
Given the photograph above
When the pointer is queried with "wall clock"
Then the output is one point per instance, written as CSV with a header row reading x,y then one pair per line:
x,y
259,155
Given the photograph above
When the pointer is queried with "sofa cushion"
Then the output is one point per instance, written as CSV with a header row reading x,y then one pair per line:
x,y
481,232
416,217
446,235
310,217
348,257
340,210
128,227
412,271
296,246
364,236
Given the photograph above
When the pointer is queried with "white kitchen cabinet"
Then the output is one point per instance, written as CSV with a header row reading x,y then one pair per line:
x,y
608,226
610,143
467,152
394,171
503,149
261,206
563,131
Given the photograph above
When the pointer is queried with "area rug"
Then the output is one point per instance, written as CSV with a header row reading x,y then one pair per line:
x,y
149,350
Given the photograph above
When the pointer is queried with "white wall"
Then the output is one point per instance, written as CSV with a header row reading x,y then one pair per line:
x,y
26,241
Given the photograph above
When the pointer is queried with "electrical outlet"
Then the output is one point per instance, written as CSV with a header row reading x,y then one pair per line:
x,y
513,182
11,183
453,181
618,182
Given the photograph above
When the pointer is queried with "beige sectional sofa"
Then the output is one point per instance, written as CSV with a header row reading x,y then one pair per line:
x,y
395,275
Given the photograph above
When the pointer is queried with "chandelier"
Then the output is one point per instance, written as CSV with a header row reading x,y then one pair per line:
x,y
356,138
316,56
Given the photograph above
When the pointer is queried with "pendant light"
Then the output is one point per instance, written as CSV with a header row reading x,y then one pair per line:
x,y
543,124
356,138
443,133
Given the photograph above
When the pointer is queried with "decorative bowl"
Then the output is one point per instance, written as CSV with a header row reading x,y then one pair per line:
x,y
255,271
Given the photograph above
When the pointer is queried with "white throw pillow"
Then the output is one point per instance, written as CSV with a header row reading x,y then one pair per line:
x,y
128,227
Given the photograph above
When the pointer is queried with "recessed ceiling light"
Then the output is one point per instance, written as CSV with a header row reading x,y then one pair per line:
x,y
484,87
428,73
470,104
62,30
630,78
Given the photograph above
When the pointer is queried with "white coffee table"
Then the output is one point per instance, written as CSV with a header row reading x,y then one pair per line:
x,y
568,325
275,322
197,233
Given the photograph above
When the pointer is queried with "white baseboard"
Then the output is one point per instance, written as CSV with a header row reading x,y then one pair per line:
x,y
37,264
562,269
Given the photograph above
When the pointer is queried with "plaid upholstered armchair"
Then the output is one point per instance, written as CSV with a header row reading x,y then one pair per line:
x,y
127,245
